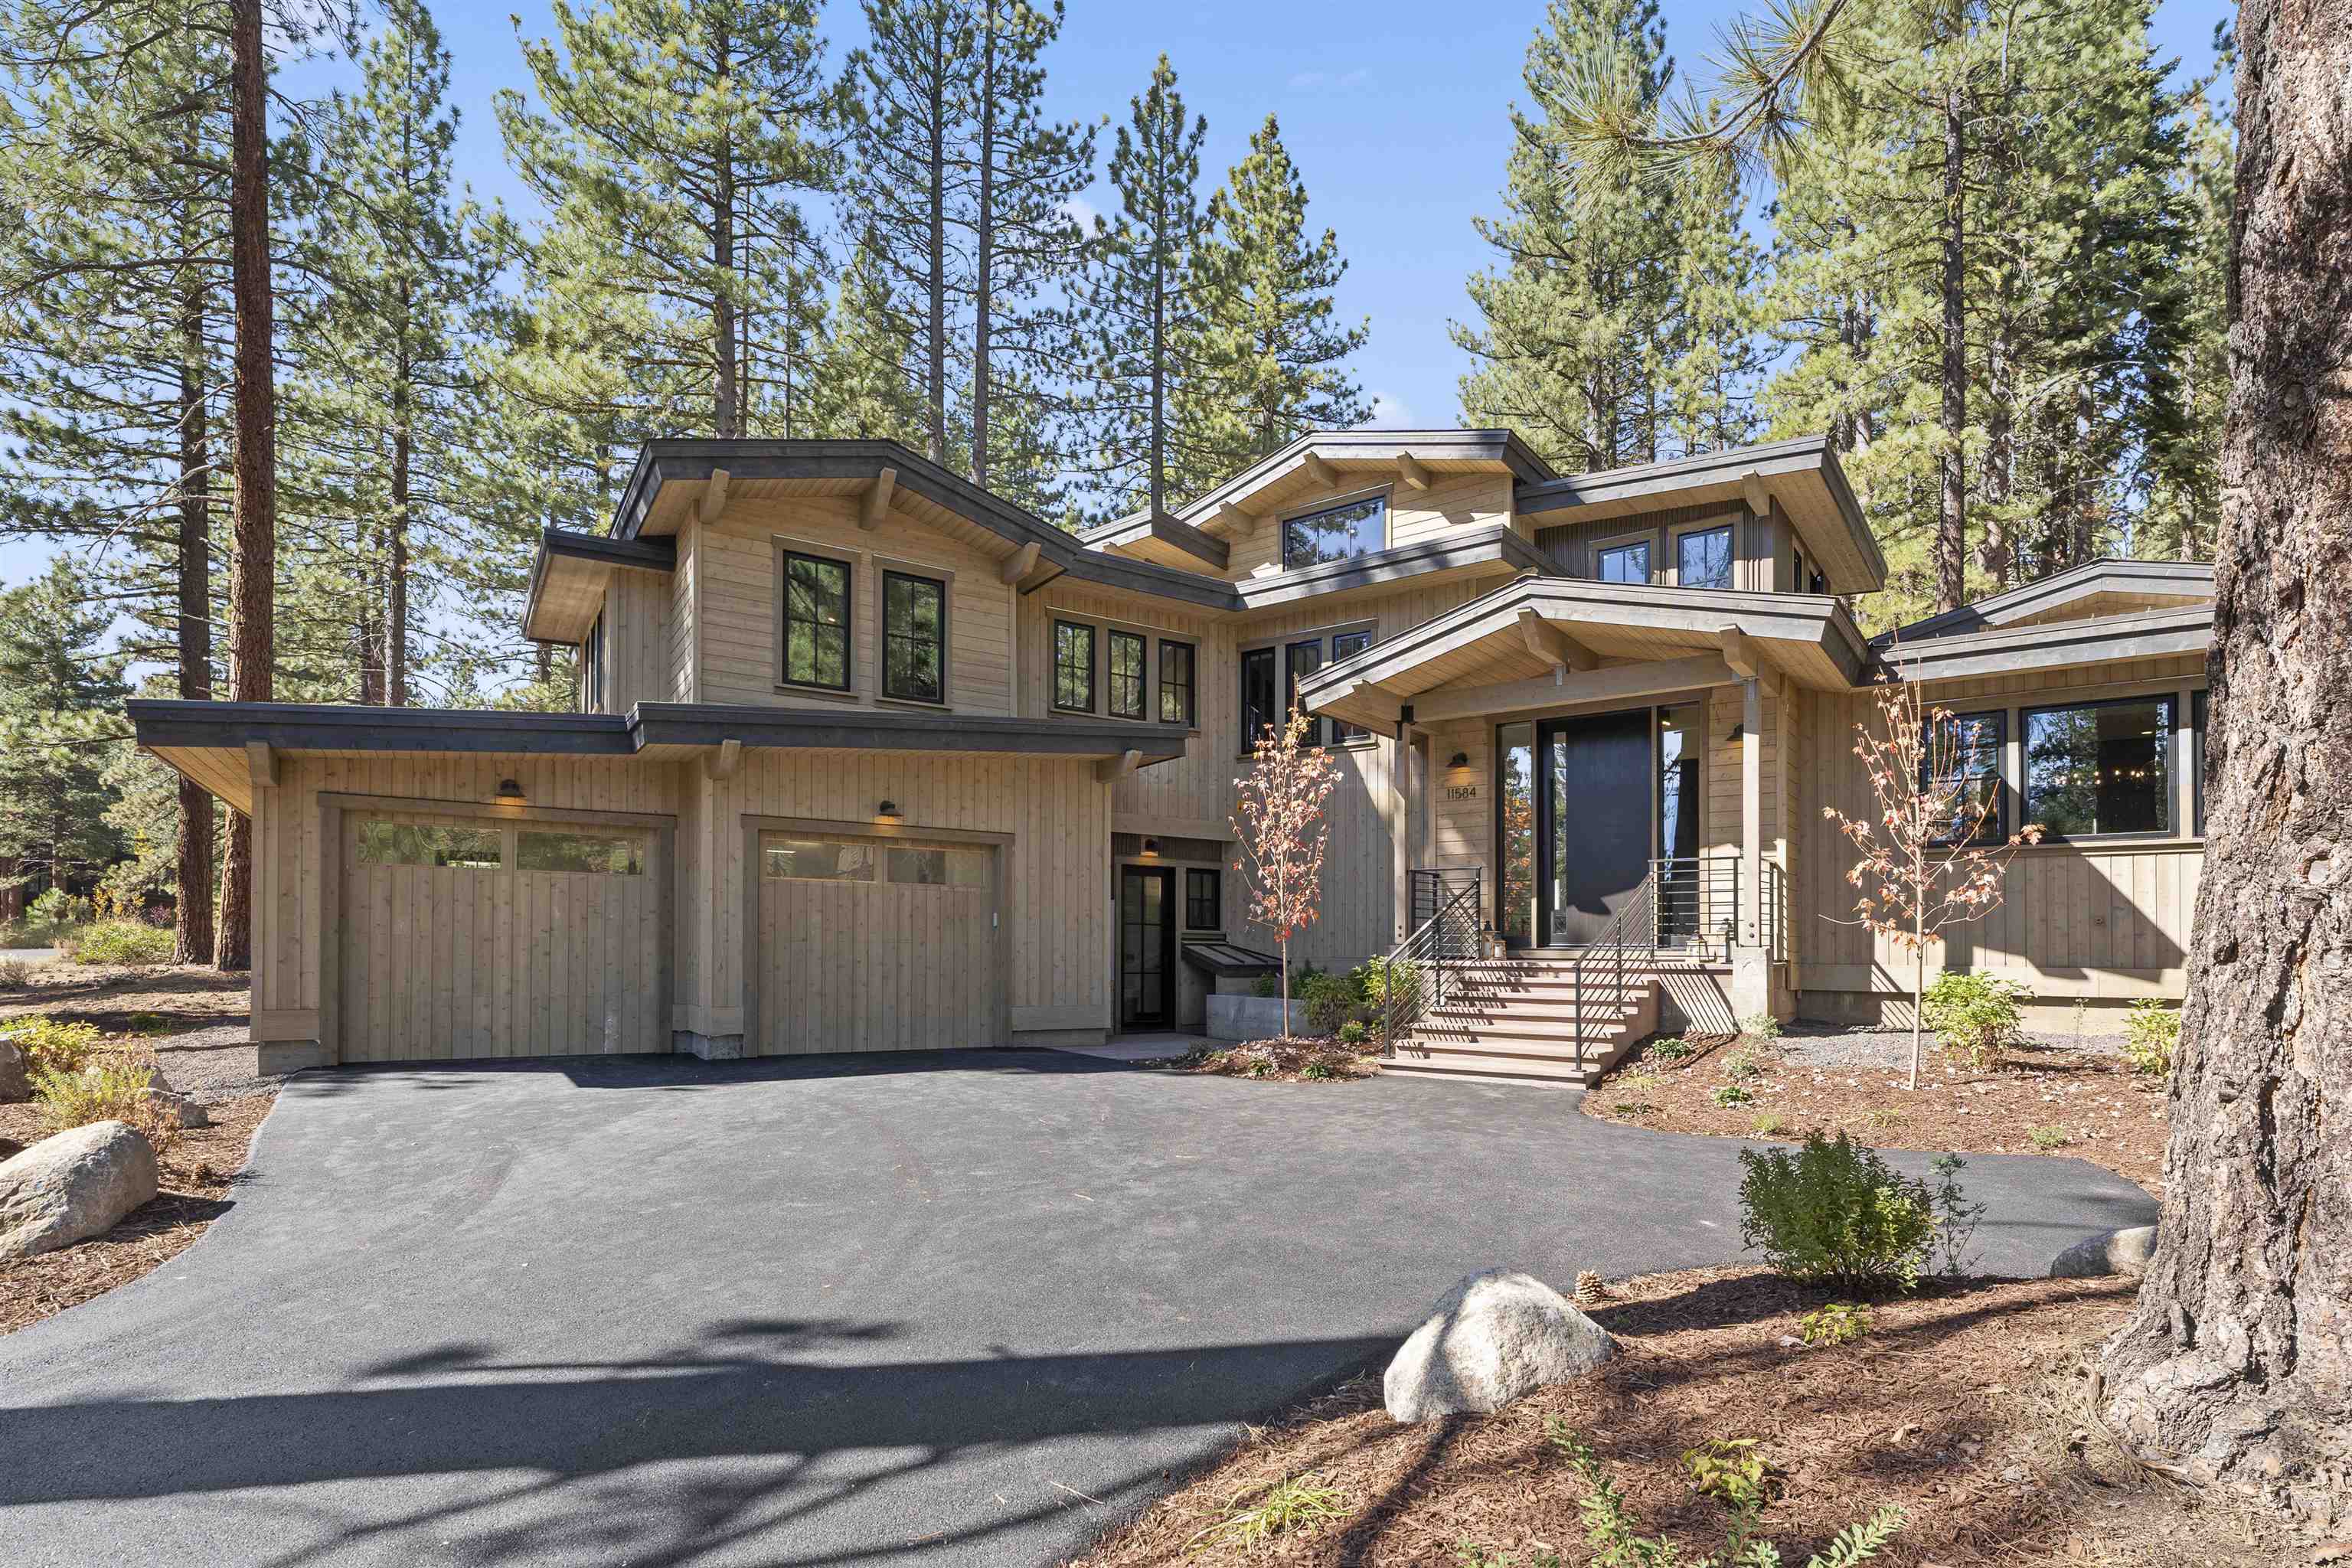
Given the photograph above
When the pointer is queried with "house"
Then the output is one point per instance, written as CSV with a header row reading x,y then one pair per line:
x,y
868,759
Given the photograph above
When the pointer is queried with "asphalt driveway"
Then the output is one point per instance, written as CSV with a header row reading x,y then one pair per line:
x,y
959,1309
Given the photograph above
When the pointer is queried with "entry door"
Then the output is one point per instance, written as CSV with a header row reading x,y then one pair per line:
x,y
1146,947
1595,826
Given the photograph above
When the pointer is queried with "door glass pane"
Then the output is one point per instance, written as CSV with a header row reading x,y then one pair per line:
x,y
405,843
938,867
810,860
1517,791
609,853
1556,836
1679,746
1702,558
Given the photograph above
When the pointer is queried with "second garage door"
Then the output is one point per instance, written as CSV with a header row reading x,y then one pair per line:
x,y
872,944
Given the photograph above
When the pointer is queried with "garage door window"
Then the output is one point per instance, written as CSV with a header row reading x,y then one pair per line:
x,y
605,853
406,844
810,860
939,868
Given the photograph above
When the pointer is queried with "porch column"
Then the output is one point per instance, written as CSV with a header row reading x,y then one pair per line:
x,y
1401,829
1751,965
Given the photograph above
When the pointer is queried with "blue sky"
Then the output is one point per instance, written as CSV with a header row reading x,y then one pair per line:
x,y
1396,115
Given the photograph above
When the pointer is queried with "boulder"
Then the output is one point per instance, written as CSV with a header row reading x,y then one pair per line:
x,y
188,1113
16,1082
71,1186
2112,1252
1495,1336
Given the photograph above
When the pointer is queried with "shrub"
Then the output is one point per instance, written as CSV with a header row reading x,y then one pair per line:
x,y
1840,1322
1673,1048
1741,1066
1833,1213
57,908
1760,1026
2151,1036
15,974
1731,1094
1379,975
2050,1136
1267,985
1353,1033
112,1089
51,1046
1975,1015
119,941
1956,1217
1290,1502
1330,999
1768,1123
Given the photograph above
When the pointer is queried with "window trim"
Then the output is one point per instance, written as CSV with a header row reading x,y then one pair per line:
x,y
1647,537
1994,831
1384,494
1279,647
1110,636
785,554
2170,697
945,583
1272,654
1191,681
1054,664
1677,532
1215,874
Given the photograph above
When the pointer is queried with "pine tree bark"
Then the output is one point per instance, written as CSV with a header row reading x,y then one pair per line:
x,y
395,608
983,288
2237,1364
253,559
1950,553
192,941
936,261
726,397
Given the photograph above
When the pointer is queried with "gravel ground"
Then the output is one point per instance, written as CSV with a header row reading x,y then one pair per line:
x,y
214,1063
1863,1046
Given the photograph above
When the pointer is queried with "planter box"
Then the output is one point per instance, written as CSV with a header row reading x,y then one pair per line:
x,y
1250,1018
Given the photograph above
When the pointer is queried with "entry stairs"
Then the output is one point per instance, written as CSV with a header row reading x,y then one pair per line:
x,y
1529,1018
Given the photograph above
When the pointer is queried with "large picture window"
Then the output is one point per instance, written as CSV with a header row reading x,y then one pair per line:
x,y
816,622
1702,558
1623,562
1177,695
1973,753
914,638
1336,533
1127,677
2100,767
1074,666
1258,696
2197,757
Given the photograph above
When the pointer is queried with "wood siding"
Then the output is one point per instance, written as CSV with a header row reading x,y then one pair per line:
x,y
638,645
1454,503
1759,544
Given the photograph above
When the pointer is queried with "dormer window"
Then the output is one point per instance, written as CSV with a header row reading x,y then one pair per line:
x,y
1336,533
816,621
1702,557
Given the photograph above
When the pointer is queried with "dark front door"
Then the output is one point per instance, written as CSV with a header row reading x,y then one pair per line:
x,y
1593,837
1146,947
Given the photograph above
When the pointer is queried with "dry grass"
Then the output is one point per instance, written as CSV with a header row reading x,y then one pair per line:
x,y
179,996
1965,1406
111,1086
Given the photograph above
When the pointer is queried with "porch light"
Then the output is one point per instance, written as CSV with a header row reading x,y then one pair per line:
x,y
1152,849
1739,732
888,812
1459,760
509,792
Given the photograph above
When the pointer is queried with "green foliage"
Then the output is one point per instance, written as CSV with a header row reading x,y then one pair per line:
x,y
1671,1048
1956,1217
1317,1071
1760,1026
1976,1016
1267,985
50,1045
60,696
1834,1213
2048,1135
2151,1037
1731,1094
1381,979
1354,1032
1741,1066
120,941
1631,1108
1732,1471
1840,1322
1331,1000
1768,1124
112,1087
1290,1503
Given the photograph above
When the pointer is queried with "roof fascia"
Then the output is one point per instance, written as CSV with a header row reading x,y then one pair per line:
x,y
1497,545
2004,651
1502,446
2188,578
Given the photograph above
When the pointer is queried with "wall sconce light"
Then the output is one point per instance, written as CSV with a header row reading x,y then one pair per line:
x,y
888,812
509,792
1460,760
1152,849
1739,733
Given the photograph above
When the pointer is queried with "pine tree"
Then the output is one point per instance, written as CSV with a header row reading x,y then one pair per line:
x,y
867,379
2184,504
1264,316
60,695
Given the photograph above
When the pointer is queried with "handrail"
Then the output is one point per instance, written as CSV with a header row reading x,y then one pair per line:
x,y
1452,934
1636,917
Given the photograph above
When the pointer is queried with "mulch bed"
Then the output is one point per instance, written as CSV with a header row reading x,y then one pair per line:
x,y
111,995
1309,1060
200,1173
2104,1112
1966,1406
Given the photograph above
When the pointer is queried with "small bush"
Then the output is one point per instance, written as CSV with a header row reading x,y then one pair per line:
x,y
1840,1322
1732,1471
1879,1119
15,974
119,941
1769,1124
51,1046
1731,1094
1380,978
112,1089
1633,1108
57,908
1741,1066
1956,1217
1293,1501
1976,1016
1760,1026
2050,1136
1353,1032
1267,985
2151,1036
1331,1000
1833,1213
1673,1048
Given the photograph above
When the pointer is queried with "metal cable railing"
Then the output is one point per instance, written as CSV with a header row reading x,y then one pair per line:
x,y
1433,962
1696,899
1630,935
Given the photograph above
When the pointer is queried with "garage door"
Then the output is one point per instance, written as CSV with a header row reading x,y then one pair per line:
x,y
876,945
462,937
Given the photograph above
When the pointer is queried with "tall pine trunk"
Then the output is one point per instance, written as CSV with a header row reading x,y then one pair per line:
x,y
252,559
1950,553
1158,478
192,941
983,285
935,259
726,393
2237,1364
403,451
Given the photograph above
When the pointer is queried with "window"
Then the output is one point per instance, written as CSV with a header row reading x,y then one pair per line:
x,y
2100,767
1623,562
1974,756
1702,558
1204,904
592,667
2197,758
1805,576
1300,660
405,843
816,622
812,860
914,638
1127,677
1257,696
1347,645
1074,666
1336,533
1175,682
612,853
1515,830
938,867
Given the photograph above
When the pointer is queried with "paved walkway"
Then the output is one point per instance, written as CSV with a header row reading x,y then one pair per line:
x,y
954,1309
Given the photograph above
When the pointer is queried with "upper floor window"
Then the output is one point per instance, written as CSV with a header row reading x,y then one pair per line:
x,y
1258,689
1270,679
1301,660
1128,653
1176,679
1702,558
1074,666
2100,767
592,667
1969,754
816,621
914,638
1628,563
1336,533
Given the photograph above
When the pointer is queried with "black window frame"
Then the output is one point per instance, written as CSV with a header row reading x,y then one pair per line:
x,y
592,667
1994,828
1214,899
1251,659
1316,728
1188,686
1730,553
939,654
1379,498
1112,640
848,628
2170,700
1342,732
1601,553
1059,665
2200,715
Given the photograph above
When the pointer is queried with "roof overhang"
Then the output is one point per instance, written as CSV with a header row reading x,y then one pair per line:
x,y
2053,644
1363,457
1549,642
1803,475
1167,541
228,747
2121,586
571,572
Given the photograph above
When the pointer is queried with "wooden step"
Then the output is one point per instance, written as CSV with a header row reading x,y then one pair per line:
x,y
1559,1013
1475,1068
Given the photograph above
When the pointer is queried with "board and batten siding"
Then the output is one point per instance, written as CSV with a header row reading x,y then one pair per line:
x,y
2098,920
1759,543
638,646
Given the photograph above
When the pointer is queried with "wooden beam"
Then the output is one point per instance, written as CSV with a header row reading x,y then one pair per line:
x,y
1759,499
878,499
1619,682
1118,767
1409,470
1749,660
1240,523
1023,560
714,496
262,764
1321,472
722,763
1547,641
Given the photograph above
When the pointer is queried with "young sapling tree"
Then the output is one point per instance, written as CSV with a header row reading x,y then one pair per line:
x,y
1280,824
